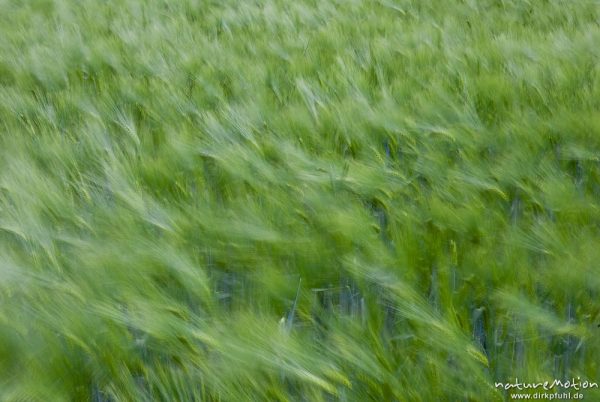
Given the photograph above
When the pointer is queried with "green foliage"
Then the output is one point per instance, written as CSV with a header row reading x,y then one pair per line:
x,y
388,200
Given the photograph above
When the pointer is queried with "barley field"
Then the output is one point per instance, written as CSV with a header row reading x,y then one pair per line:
x,y
298,200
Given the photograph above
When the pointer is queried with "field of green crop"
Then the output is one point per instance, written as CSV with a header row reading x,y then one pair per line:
x,y
298,200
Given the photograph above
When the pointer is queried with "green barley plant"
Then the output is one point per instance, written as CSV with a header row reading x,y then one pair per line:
x,y
277,200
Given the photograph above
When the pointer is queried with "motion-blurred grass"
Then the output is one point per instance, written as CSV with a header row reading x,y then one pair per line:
x,y
304,200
